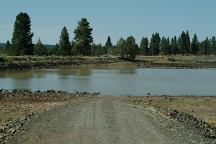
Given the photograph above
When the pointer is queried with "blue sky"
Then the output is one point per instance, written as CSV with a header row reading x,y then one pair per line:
x,y
117,18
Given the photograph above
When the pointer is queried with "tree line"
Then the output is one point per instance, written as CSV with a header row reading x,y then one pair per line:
x,y
82,43
21,43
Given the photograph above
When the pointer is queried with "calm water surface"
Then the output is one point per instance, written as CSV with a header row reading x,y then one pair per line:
x,y
115,81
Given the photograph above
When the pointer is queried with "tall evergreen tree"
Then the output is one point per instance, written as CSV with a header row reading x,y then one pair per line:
x,y
188,44
155,44
131,48
165,46
205,47
108,46
213,45
39,48
83,37
174,46
144,46
183,43
195,45
22,35
121,47
64,43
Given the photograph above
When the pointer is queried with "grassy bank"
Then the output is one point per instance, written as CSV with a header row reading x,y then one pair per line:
x,y
177,61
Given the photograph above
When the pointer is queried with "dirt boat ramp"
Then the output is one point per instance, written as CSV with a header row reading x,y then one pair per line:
x,y
105,120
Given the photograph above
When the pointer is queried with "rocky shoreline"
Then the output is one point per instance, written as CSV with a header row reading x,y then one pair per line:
x,y
14,126
199,125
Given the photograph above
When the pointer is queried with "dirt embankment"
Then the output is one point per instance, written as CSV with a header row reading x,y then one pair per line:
x,y
19,107
195,112
33,62
179,62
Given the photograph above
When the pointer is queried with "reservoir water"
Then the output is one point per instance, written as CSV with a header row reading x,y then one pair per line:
x,y
116,81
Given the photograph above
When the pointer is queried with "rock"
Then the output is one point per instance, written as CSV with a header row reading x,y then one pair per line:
x,y
1,137
27,119
12,131
2,129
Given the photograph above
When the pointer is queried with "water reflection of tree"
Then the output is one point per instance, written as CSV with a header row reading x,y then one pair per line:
x,y
74,72
17,75
127,71
85,72
23,75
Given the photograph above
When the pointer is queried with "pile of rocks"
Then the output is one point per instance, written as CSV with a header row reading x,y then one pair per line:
x,y
49,95
12,127
200,126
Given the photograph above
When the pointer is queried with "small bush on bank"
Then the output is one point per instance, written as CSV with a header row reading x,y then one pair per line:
x,y
5,59
172,59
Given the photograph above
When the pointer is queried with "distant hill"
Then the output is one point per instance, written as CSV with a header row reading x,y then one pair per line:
x,y
2,45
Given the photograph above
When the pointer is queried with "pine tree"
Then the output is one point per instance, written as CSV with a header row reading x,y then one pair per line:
x,y
131,48
108,46
22,35
165,46
121,47
183,43
213,45
83,37
188,44
64,43
195,45
144,46
174,46
39,48
205,47
155,44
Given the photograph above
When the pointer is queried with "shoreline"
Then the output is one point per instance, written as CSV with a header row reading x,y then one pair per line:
x,y
52,62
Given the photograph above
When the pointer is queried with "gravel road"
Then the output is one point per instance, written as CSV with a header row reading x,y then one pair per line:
x,y
101,120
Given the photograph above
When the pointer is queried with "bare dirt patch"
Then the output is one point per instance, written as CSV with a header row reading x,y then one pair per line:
x,y
18,107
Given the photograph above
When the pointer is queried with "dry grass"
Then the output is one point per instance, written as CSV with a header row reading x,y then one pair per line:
x,y
14,105
10,111
177,59
201,107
